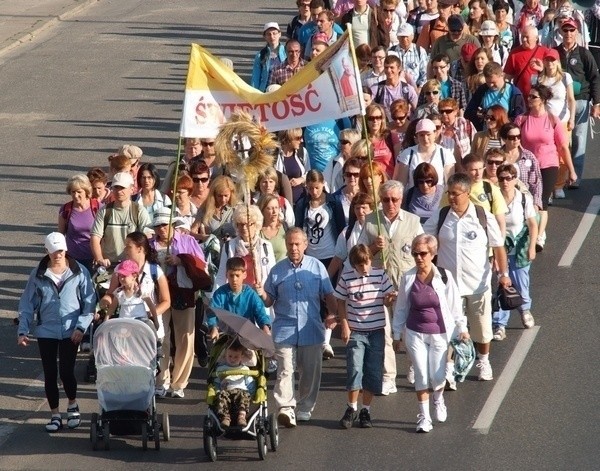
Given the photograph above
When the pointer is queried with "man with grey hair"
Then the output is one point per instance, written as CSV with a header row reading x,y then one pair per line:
x,y
466,232
389,233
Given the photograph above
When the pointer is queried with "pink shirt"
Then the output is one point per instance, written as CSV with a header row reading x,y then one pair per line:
x,y
384,155
543,136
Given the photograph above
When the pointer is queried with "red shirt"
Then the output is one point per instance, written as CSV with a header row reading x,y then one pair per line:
x,y
519,61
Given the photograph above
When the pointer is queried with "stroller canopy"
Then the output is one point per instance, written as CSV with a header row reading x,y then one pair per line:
x,y
124,342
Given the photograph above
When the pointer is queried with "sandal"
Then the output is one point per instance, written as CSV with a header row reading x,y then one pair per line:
x,y
55,424
73,417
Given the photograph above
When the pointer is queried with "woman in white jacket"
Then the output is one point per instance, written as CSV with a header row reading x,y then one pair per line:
x,y
429,313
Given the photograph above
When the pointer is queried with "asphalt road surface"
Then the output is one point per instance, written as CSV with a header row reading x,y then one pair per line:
x,y
114,74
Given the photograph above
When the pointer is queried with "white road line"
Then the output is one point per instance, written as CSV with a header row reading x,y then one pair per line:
x,y
581,233
490,408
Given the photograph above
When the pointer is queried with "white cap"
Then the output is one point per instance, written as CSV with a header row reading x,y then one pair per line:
x,y
271,25
54,242
488,28
123,179
405,29
162,216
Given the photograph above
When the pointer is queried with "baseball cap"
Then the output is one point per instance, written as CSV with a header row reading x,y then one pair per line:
x,y
456,23
447,3
271,25
54,242
467,50
569,22
425,125
127,267
488,28
405,29
162,216
552,54
123,179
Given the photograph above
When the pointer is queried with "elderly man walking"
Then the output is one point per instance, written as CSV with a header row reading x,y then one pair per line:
x,y
294,288
391,250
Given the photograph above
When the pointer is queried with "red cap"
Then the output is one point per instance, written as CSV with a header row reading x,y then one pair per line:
x,y
551,54
570,22
467,51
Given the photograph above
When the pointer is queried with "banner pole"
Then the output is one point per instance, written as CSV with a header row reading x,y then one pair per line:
x,y
174,191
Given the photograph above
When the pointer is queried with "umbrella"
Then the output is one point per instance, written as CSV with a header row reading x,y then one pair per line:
x,y
250,335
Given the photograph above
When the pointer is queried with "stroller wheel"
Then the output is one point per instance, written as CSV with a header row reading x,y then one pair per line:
x,y
261,440
106,434
210,445
273,432
144,436
156,433
94,431
166,427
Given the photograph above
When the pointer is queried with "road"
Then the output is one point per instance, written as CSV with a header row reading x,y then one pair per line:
x,y
114,74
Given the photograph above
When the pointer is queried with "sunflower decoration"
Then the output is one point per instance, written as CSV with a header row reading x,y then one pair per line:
x,y
245,149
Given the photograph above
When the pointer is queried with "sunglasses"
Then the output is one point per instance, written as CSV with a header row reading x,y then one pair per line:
x,y
297,139
352,174
495,162
532,97
200,179
344,142
446,111
507,178
456,31
428,181
490,118
432,92
514,137
390,199
419,254
389,10
208,144
568,30
399,117
375,118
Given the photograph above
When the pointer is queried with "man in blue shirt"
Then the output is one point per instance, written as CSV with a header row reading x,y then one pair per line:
x,y
269,57
294,288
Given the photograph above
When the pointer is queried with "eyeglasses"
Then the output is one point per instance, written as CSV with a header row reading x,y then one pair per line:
x,y
427,181
446,111
456,31
490,118
432,92
506,178
513,137
419,254
243,224
390,199
345,142
375,118
297,139
208,144
495,162
389,10
352,174
200,179
379,58
454,194
399,117
532,97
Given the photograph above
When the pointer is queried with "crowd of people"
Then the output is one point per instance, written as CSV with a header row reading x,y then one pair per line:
x,y
395,225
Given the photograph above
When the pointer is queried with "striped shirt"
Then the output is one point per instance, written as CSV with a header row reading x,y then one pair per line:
x,y
364,296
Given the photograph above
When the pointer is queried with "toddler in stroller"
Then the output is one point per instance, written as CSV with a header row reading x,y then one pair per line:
x,y
236,388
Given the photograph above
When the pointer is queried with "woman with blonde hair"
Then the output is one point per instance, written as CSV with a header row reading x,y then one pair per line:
x,y
379,137
75,219
333,170
268,184
432,90
292,160
273,227
214,217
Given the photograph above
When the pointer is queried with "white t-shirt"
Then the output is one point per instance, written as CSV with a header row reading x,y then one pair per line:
x,y
319,229
440,158
515,219
132,307
558,105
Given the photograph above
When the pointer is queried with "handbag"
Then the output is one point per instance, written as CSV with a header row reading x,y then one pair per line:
x,y
509,298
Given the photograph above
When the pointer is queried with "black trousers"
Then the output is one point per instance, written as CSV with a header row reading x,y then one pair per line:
x,y
66,351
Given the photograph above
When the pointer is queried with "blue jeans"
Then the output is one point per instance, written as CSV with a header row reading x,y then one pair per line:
x,y
520,279
364,360
580,134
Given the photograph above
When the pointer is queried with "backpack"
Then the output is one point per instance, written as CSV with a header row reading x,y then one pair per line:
x,y
412,153
381,87
67,209
478,209
134,213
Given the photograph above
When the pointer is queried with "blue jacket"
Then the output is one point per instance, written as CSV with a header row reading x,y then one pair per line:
x,y
247,304
262,66
334,204
55,313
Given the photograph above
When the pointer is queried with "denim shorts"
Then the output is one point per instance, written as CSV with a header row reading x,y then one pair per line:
x,y
364,360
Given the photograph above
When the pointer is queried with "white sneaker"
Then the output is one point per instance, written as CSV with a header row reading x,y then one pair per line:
x,y
327,352
527,319
178,393
440,411
286,417
450,381
410,376
272,366
389,387
303,416
559,194
499,333
485,371
160,391
424,425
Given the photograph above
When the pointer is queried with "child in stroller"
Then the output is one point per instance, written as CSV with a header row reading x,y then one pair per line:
x,y
236,388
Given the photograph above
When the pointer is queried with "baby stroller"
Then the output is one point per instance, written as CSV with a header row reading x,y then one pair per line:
x,y
260,423
125,351
101,281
